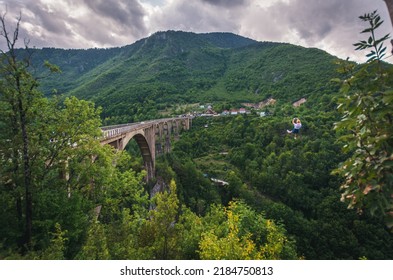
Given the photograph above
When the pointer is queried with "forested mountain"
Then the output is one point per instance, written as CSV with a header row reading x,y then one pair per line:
x,y
172,67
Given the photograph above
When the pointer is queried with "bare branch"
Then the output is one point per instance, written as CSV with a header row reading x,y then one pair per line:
x,y
16,31
4,32
10,42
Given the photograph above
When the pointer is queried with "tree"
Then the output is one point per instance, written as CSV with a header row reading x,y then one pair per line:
x,y
96,247
160,229
243,234
366,128
51,159
19,101
56,250
229,247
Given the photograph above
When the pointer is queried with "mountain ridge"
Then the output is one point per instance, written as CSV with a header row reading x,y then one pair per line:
x,y
171,67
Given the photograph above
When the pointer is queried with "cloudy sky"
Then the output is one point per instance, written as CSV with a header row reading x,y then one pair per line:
x,y
331,25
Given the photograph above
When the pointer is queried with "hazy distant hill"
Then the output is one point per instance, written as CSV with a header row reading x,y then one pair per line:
x,y
173,66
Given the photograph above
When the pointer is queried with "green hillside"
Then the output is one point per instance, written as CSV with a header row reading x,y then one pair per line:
x,y
173,67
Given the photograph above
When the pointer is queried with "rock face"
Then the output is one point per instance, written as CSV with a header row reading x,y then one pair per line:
x,y
299,102
160,186
260,105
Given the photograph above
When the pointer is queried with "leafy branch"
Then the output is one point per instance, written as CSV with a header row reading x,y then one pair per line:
x,y
367,126
378,50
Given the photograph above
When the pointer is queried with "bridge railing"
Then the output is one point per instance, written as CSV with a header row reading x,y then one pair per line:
x,y
115,130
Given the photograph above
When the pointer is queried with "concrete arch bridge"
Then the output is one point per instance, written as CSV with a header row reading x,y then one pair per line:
x,y
153,137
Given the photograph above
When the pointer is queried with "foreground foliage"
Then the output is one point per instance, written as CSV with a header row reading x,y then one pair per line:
x,y
367,129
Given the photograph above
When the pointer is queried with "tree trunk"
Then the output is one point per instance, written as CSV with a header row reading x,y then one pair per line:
x,y
389,4
20,98
27,175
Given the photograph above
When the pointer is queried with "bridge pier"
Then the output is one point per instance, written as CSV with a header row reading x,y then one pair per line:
x,y
167,144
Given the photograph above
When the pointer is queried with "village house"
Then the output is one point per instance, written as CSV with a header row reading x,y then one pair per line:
x,y
225,113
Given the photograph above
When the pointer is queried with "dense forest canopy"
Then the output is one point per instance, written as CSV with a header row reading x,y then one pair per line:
x,y
65,196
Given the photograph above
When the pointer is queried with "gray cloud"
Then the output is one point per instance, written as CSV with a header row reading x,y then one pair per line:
x,y
128,13
196,16
226,3
54,23
79,24
332,25
316,19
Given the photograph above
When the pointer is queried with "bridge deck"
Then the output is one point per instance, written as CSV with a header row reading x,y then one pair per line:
x,y
117,130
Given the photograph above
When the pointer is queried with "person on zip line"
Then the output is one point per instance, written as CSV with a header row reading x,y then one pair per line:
x,y
296,127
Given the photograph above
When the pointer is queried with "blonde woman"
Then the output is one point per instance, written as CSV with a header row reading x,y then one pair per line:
x,y
296,127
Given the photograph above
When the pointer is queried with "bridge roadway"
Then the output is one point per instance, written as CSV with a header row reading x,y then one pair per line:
x,y
153,137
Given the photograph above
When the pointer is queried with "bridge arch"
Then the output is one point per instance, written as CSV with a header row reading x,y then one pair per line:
x,y
146,152
148,135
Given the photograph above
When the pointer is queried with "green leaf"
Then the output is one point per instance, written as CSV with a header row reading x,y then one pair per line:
x,y
336,80
378,25
371,54
367,30
380,50
361,43
388,98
